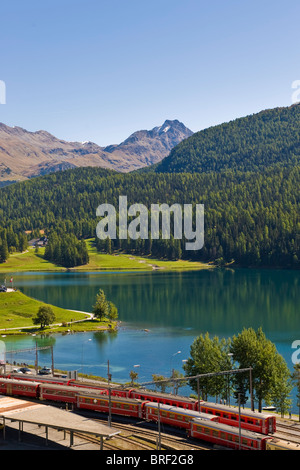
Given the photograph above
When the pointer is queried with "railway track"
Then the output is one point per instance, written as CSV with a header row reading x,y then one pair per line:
x,y
147,438
116,443
133,437
287,431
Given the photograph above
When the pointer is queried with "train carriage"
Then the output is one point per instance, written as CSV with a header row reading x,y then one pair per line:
x,y
62,393
250,420
227,436
40,379
118,391
164,398
174,416
104,404
18,388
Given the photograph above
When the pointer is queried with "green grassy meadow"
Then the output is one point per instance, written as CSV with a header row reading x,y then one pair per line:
x,y
30,261
17,311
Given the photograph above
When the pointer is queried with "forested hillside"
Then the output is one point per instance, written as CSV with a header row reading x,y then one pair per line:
x,y
252,143
251,218
245,172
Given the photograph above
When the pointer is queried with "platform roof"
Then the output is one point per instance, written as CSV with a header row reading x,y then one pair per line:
x,y
24,411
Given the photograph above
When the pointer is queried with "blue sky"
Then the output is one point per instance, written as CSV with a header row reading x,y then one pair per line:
x,y
101,69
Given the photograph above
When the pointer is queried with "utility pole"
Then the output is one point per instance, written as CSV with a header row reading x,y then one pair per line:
x,y
158,422
198,392
109,407
52,360
108,374
250,386
36,359
240,430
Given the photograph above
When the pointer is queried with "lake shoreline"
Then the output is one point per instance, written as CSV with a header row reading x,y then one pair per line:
x,y
29,261
15,304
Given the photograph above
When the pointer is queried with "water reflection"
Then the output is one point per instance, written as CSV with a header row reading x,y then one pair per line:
x,y
221,301
174,308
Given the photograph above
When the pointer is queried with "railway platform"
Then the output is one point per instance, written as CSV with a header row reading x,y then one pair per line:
x,y
27,425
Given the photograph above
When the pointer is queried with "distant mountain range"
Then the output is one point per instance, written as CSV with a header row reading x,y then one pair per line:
x,y
252,143
25,154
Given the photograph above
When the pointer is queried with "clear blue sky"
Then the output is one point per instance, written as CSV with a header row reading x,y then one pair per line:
x,y
100,69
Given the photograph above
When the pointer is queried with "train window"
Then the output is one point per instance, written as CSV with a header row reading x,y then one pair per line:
x,y
223,435
206,430
215,433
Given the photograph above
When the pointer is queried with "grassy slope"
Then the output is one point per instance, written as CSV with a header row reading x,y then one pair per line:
x,y
29,261
17,310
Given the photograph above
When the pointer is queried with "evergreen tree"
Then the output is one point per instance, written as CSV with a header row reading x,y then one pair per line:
x,y
104,308
3,250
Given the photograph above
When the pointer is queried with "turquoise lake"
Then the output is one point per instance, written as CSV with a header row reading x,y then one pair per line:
x,y
161,313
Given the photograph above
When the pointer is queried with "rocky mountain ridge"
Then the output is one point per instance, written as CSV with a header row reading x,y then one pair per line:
x,y
25,154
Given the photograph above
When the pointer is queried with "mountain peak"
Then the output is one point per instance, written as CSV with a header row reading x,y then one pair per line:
x,y
151,146
26,154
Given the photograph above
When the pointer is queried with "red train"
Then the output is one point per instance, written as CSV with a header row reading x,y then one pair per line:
x,y
174,416
252,421
117,405
204,425
19,388
201,426
228,436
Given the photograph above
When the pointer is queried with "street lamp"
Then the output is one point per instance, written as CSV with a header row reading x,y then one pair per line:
x,y
228,379
172,370
82,351
175,354
134,375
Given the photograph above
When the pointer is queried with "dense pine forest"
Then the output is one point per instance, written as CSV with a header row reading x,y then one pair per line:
x,y
251,218
251,143
246,173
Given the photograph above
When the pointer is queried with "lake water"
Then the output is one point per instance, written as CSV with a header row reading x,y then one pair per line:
x,y
173,307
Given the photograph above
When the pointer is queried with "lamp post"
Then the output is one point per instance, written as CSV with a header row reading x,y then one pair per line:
x,y
134,375
228,380
175,354
172,370
82,350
